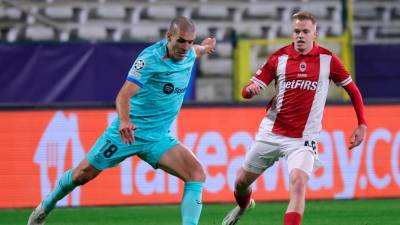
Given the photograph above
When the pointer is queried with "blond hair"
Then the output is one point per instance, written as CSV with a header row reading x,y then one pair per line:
x,y
302,15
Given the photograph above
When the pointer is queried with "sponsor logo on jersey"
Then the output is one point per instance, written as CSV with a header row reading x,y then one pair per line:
x,y
169,88
179,90
303,66
301,84
139,64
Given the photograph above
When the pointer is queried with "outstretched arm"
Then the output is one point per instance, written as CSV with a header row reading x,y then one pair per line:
x,y
359,133
122,102
207,46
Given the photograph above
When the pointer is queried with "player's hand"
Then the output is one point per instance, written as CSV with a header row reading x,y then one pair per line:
x,y
126,132
358,136
253,89
209,45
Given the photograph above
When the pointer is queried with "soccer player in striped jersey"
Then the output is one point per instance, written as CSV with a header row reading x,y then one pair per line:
x,y
302,72
147,104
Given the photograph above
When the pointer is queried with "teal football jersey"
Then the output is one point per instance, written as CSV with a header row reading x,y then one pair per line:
x,y
163,83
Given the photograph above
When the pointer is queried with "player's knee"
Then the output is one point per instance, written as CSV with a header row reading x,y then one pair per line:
x,y
200,175
82,176
298,183
243,180
197,174
241,184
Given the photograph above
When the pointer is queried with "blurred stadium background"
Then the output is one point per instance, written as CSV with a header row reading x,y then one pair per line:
x,y
62,63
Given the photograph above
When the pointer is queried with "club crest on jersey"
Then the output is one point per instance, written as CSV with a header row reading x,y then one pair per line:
x,y
303,66
139,64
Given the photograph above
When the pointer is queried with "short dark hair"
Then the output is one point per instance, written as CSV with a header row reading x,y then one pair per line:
x,y
181,24
302,15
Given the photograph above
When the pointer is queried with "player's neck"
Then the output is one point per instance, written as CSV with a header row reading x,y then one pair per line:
x,y
304,51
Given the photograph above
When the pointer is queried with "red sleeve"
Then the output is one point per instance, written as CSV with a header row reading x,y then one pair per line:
x,y
356,100
266,73
339,74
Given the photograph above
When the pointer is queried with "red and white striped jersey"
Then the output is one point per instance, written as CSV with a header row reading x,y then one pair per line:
x,y
302,83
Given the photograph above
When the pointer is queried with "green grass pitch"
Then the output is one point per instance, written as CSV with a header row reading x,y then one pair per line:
x,y
346,212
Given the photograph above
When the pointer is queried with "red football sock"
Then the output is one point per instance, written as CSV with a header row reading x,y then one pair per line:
x,y
292,218
242,200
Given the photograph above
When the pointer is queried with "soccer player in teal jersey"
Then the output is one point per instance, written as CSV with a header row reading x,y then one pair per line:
x,y
147,104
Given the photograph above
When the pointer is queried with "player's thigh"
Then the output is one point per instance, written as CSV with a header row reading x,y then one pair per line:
x,y
262,155
152,151
181,162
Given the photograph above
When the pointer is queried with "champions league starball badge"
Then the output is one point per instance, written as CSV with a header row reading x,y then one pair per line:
x,y
303,66
139,64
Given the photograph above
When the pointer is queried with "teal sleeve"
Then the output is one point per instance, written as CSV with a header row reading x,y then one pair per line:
x,y
141,69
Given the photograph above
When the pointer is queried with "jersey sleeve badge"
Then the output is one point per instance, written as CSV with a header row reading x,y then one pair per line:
x,y
139,64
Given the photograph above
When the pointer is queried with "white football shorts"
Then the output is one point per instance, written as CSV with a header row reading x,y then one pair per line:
x,y
299,153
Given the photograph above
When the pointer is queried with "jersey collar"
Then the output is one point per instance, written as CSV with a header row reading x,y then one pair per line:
x,y
164,50
166,55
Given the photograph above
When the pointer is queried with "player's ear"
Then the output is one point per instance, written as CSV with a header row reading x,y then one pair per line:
x,y
169,36
315,33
